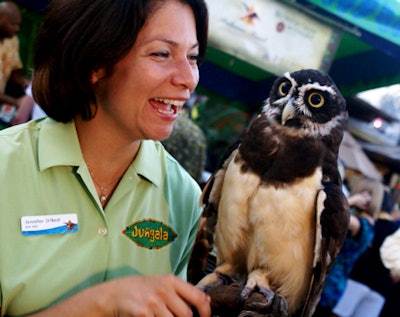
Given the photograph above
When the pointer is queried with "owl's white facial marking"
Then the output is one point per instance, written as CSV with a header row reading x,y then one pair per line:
x,y
324,129
309,87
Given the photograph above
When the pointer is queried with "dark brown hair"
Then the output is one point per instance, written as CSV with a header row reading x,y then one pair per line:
x,y
78,37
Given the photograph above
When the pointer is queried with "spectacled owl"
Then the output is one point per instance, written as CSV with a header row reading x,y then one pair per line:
x,y
275,211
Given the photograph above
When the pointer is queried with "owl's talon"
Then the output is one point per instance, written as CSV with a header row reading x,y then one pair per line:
x,y
265,303
268,294
224,279
279,307
260,301
246,291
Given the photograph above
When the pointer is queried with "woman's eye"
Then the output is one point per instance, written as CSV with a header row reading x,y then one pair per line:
x,y
160,54
194,57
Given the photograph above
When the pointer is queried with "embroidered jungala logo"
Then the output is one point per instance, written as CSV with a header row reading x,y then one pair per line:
x,y
150,233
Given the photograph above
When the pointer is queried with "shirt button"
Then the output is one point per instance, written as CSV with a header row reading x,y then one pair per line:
x,y
102,231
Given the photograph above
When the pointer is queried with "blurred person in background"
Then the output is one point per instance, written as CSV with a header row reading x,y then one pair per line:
x,y
365,201
28,109
390,254
370,282
12,80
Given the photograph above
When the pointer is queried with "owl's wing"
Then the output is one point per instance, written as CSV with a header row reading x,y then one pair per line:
x,y
332,223
203,245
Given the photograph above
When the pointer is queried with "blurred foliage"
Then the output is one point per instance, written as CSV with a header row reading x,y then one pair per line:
x,y
27,35
223,123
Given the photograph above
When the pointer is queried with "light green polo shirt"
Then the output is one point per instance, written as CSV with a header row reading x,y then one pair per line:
x,y
56,239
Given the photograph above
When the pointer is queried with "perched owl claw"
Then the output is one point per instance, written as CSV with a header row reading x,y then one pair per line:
x,y
268,294
214,279
259,302
227,300
279,307
264,303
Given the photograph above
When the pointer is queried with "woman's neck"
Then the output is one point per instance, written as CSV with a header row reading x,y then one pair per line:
x,y
107,156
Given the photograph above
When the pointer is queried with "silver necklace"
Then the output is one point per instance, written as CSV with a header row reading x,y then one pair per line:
x,y
103,195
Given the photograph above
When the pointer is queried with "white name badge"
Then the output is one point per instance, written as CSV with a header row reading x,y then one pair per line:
x,y
49,224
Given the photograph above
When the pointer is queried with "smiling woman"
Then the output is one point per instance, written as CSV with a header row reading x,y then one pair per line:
x,y
112,77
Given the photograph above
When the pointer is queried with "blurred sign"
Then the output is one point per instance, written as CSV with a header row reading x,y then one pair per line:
x,y
380,17
271,35
353,157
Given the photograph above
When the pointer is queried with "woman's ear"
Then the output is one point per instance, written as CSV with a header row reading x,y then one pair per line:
x,y
97,75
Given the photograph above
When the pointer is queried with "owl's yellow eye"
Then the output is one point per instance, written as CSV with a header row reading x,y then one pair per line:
x,y
316,100
284,88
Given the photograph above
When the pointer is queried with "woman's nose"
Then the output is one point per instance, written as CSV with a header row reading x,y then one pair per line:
x,y
186,74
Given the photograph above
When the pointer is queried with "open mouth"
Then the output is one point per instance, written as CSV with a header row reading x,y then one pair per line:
x,y
167,106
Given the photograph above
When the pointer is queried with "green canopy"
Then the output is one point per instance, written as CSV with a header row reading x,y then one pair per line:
x,y
379,17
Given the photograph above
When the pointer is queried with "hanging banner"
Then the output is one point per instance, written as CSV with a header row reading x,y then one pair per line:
x,y
271,35
380,17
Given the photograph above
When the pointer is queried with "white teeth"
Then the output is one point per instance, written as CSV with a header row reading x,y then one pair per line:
x,y
177,103
171,111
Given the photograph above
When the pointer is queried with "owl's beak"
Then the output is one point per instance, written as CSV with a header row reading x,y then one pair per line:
x,y
288,113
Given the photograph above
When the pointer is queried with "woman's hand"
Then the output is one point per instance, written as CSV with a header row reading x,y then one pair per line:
x,y
157,296
135,296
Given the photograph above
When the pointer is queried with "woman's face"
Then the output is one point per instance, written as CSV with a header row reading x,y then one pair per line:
x,y
147,88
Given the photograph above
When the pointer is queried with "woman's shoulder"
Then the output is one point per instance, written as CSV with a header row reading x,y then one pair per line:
x,y
18,137
170,167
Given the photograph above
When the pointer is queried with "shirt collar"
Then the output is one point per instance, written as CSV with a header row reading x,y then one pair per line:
x,y
58,145
147,162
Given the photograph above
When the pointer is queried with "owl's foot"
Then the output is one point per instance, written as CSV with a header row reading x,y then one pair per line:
x,y
258,305
214,279
268,294
279,307
229,299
